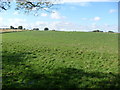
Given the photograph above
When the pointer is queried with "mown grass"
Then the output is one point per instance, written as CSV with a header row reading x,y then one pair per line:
x,y
51,59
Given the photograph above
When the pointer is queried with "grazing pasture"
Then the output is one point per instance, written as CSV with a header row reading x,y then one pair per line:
x,y
53,59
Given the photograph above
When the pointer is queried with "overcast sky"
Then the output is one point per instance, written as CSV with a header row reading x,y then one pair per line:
x,y
72,15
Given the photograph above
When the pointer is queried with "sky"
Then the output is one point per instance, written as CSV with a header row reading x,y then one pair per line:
x,y
70,15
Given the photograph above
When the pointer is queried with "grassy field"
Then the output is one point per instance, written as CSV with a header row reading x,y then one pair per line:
x,y
53,59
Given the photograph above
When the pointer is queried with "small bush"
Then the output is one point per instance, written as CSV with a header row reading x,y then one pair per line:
x,y
35,28
20,27
96,31
46,29
110,31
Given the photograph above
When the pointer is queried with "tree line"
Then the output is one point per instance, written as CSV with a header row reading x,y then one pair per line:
x,y
46,29
21,27
102,31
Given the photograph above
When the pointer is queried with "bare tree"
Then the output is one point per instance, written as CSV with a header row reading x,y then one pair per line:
x,y
31,5
4,5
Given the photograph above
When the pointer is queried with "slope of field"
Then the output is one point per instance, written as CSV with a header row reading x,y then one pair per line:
x,y
51,59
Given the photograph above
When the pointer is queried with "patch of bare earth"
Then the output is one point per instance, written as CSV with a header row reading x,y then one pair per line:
x,y
10,30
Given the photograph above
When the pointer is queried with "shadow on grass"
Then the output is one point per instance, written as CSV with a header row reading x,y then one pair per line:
x,y
13,58
62,78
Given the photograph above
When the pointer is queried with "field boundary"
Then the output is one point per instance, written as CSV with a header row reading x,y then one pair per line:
x,y
10,30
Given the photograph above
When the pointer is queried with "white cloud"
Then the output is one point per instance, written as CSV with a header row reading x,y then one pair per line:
x,y
53,25
57,25
105,27
56,15
69,1
16,22
96,18
19,20
45,8
112,10
44,14
92,19
69,26
16,13
83,4
34,8
40,22
1,20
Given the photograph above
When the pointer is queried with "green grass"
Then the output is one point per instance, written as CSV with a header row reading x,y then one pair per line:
x,y
52,59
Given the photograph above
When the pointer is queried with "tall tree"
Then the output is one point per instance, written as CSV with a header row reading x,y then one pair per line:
x,y
46,29
20,27
11,27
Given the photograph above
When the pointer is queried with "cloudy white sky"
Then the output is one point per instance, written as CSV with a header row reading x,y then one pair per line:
x,y
71,15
